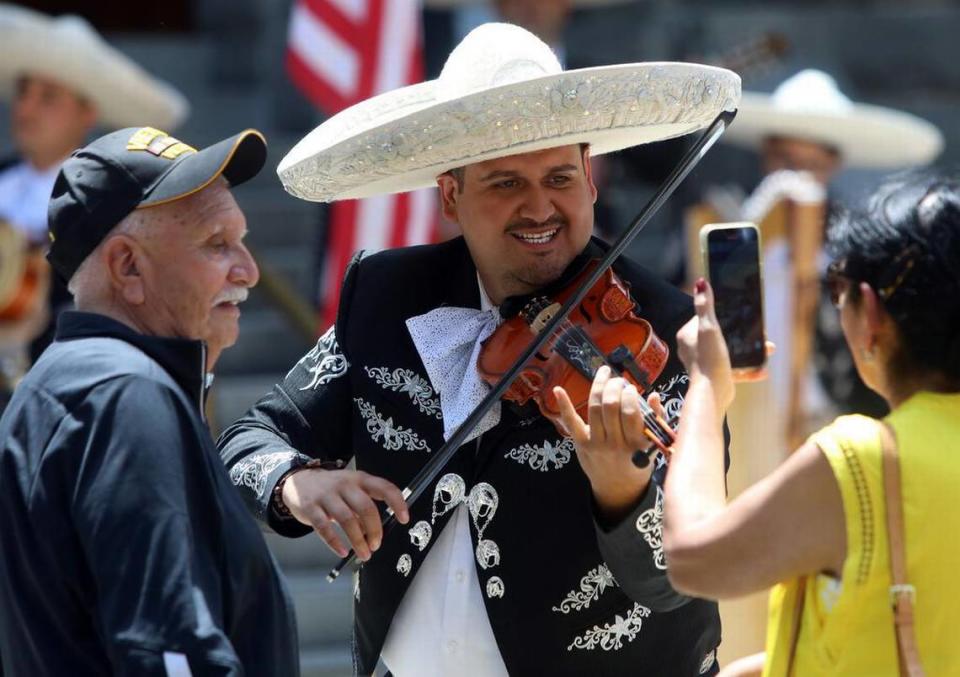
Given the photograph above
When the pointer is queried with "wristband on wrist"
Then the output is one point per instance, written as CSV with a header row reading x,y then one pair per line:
x,y
276,500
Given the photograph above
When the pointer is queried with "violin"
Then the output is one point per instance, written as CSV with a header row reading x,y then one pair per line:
x,y
602,329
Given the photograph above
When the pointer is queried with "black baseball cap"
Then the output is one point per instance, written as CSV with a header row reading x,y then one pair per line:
x,y
130,169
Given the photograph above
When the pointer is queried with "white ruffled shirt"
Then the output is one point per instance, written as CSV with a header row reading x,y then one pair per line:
x,y
24,196
441,627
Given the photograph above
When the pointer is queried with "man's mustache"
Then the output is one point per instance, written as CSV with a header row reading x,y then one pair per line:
x,y
530,224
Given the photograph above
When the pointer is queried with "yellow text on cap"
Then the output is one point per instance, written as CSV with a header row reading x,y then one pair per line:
x,y
158,143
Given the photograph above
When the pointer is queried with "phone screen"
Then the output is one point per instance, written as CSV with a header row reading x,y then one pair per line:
x,y
733,259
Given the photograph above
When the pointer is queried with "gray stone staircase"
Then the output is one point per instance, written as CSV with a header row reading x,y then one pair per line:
x,y
323,609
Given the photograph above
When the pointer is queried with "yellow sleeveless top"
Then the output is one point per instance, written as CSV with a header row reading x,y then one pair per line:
x,y
847,625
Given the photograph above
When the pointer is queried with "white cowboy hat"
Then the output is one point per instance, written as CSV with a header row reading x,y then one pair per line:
x,y
67,49
501,92
809,106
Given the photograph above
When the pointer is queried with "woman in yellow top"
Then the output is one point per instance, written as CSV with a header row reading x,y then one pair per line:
x,y
816,527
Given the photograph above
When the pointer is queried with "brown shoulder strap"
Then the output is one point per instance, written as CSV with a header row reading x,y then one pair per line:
x,y
902,594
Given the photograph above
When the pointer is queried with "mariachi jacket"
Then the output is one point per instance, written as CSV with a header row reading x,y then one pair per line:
x,y
564,595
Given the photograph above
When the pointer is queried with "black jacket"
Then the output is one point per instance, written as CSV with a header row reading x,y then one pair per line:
x,y
123,538
564,596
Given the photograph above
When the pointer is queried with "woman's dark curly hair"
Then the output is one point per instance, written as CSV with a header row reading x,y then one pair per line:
x,y
906,246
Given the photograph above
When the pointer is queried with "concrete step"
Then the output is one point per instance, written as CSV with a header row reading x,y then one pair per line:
x,y
324,610
268,344
181,59
334,660
281,220
233,395
294,261
299,554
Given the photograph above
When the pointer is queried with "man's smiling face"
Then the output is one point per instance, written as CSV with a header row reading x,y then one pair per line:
x,y
524,217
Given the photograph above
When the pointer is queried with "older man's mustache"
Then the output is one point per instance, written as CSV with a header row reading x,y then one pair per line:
x,y
233,295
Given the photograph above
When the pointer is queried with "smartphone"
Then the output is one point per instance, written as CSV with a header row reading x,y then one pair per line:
x,y
731,258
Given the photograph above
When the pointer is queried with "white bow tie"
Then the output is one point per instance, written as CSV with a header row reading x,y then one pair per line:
x,y
448,340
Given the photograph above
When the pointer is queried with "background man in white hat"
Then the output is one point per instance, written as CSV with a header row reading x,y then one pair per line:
x,y
533,552
124,548
61,80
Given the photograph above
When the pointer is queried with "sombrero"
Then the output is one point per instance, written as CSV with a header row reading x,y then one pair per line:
x,y
501,92
67,49
809,106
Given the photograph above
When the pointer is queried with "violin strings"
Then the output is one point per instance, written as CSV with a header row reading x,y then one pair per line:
x,y
660,429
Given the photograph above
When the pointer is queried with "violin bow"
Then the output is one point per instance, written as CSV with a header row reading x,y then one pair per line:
x,y
438,461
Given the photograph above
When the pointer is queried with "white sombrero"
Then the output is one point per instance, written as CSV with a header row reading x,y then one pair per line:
x,y
68,50
502,92
809,106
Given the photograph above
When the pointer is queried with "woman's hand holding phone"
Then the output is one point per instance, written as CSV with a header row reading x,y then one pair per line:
x,y
731,253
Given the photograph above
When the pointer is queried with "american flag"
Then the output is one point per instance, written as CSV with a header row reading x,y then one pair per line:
x,y
340,52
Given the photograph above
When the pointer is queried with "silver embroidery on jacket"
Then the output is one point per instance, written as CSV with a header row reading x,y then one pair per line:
x,y
488,553
410,383
495,587
447,495
394,437
404,565
550,456
592,586
324,362
253,471
672,398
611,636
650,526
482,501
420,534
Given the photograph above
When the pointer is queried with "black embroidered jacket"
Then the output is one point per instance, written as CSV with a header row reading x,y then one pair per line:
x,y
564,596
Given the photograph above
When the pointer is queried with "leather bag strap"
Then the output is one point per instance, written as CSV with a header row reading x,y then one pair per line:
x,y
902,594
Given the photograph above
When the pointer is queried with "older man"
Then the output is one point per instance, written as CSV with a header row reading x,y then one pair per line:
x,y
125,547
532,552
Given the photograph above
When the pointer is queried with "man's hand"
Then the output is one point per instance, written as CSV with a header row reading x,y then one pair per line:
x,y
607,441
320,498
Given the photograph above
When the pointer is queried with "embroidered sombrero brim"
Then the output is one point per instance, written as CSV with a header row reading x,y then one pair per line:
x,y
870,137
502,92
68,50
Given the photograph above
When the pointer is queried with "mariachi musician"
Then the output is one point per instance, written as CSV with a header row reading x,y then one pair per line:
x,y
805,132
534,551
63,80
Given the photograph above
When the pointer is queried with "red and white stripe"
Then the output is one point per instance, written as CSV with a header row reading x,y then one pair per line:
x,y
340,52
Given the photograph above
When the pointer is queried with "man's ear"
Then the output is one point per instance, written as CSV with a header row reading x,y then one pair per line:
x,y
124,259
449,192
588,172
